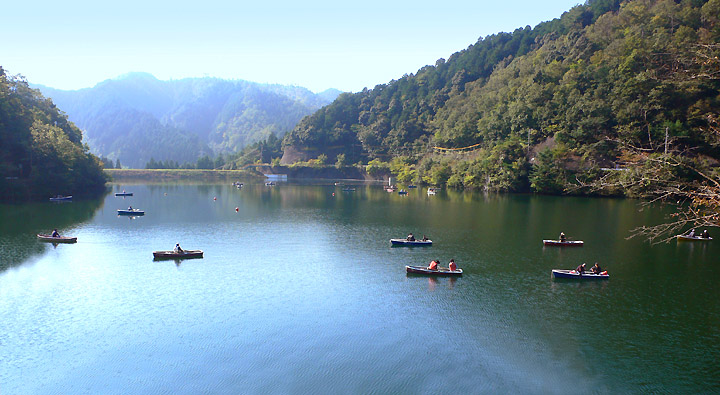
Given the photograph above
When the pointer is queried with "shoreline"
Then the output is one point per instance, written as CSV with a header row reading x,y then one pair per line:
x,y
178,174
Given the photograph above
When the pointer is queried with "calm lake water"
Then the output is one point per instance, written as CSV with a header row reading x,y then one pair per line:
x,y
300,292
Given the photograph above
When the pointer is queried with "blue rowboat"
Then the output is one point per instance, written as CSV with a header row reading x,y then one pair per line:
x,y
408,243
131,212
557,273
426,271
123,194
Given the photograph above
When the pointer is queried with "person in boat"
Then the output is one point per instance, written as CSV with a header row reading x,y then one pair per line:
x,y
130,208
562,237
177,249
411,237
691,233
452,266
424,238
596,269
580,269
705,234
434,264
55,233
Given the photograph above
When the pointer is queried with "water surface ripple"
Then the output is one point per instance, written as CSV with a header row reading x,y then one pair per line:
x,y
300,292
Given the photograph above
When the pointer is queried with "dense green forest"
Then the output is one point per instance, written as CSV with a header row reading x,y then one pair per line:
x,y
539,107
41,152
136,117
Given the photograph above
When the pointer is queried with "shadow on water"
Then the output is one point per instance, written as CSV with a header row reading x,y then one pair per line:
x,y
20,224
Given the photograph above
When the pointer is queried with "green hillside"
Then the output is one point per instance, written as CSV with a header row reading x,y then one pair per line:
x,y
531,109
41,152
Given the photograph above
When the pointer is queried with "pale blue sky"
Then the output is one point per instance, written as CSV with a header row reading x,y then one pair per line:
x,y
315,44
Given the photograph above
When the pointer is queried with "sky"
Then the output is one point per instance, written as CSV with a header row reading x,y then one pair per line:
x,y
316,44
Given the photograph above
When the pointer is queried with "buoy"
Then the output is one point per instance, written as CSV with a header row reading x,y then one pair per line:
x,y
237,209
333,193
214,198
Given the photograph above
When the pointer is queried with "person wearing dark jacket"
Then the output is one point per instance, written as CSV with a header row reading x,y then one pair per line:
x,y
580,269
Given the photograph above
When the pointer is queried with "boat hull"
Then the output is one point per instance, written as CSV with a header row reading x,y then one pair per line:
x,y
124,194
692,238
61,239
566,243
131,212
428,272
407,243
187,254
61,199
557,273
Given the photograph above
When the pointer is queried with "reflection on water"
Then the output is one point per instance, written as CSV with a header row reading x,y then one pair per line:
x,y
299,289
20,223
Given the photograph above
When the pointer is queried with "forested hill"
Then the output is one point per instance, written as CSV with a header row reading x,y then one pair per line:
x,y
41,153
137,117
522,109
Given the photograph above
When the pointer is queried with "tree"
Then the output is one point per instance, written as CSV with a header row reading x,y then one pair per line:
x,y
675,173
340,162
204,162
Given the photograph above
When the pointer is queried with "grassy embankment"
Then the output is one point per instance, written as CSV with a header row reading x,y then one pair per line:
x,y
180,174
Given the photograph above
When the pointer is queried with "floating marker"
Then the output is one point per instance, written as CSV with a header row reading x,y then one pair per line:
x,y
237,209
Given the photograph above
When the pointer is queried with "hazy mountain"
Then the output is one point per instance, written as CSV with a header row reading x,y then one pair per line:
x,y
136,117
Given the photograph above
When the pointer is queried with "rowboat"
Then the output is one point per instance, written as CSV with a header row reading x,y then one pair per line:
x,y
431,191
123,194
441,272
131,212
566,243
59,239
557,273
186,254
693,238
402,192
59,198
408,243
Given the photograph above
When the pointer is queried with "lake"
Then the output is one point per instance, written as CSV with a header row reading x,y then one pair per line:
x,y
299,291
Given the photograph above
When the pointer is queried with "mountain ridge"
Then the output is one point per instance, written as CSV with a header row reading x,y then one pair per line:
x,y
202,116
